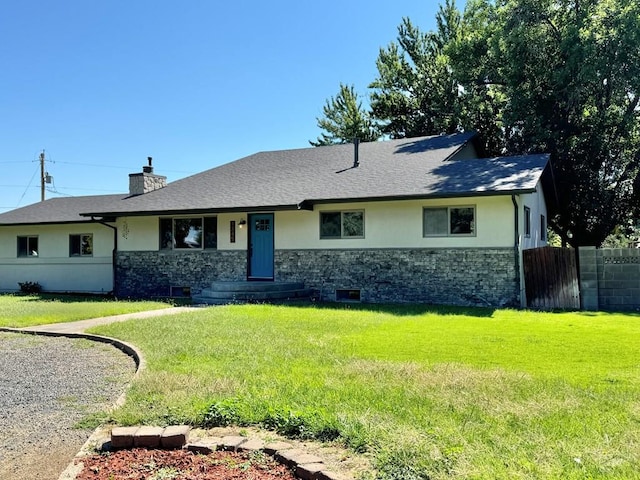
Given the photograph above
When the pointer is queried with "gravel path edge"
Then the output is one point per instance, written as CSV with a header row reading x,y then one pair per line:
x,y
99,434
125,347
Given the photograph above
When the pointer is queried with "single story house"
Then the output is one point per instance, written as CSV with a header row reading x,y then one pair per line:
x,y
410,220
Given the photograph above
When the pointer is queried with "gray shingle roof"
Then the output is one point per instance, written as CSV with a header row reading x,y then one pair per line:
x,y
59,210
408,168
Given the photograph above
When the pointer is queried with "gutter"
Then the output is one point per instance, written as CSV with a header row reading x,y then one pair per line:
x,y
113,252
516,250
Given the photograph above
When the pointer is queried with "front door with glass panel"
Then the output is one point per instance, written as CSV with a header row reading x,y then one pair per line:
x,y
261,246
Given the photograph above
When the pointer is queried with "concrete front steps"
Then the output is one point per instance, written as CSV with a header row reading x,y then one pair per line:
x,y
221,293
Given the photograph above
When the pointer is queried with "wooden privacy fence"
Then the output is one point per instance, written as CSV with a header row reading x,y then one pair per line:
x,y
551,278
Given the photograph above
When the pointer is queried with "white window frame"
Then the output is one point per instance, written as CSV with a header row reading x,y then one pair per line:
x,y
342,234
527,222
449,233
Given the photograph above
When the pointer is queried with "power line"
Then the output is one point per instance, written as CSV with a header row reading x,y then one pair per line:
x,y
88,189
25,191
112,166
18,186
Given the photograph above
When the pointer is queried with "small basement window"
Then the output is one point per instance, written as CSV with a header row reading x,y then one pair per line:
x,y
180,292
348,295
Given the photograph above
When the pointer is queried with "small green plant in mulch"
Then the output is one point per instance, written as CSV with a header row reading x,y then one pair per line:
x,y
223,413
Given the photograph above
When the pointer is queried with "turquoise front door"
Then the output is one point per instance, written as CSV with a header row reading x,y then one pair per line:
x,y
261,246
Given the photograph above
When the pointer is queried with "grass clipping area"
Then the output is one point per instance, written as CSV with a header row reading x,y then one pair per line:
x,y
28,310
429,393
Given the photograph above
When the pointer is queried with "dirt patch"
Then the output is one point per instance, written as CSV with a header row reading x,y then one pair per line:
x,y
142,464
45,462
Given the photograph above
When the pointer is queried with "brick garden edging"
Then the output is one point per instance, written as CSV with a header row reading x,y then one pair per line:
x,y
304,465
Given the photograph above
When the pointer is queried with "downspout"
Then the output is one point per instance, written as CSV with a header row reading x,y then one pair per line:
x,y
113,253
516,250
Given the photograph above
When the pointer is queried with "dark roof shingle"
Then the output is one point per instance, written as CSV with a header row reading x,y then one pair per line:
x,y
407,168
60,210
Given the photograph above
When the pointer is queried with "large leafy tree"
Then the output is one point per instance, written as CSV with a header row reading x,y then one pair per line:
x,y
570,70
345,119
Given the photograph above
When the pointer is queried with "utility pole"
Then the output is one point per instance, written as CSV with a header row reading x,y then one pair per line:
x,y
42,176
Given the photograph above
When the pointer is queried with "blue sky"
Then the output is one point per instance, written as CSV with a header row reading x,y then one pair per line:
x,y
100,86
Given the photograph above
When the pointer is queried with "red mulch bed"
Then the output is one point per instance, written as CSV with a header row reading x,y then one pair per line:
x,y
143,464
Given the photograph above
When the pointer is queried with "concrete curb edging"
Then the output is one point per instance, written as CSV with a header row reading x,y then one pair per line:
x,y
119,344
126,348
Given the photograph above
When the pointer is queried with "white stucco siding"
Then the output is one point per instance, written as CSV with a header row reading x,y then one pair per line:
x,y
537,206
143,233
391,224
138,233
399,224
224,231
58,276
54,268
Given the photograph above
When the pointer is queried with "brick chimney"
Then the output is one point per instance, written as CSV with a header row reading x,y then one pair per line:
x,y
146,181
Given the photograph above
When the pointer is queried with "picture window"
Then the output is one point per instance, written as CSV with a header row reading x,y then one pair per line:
x,y
188,233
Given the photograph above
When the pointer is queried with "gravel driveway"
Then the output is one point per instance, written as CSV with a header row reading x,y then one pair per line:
x,y
47,385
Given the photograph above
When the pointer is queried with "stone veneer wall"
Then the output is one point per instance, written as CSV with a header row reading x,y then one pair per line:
x,y
140,183
153,273
457,276
609,278
454,276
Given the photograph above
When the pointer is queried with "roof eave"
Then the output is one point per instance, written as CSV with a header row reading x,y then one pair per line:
x,y
419,197
195,211
50,222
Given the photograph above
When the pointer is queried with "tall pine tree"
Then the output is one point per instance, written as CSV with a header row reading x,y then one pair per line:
x,y
345,119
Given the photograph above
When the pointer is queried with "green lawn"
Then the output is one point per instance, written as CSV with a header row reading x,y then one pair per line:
x,y
27,310
431,393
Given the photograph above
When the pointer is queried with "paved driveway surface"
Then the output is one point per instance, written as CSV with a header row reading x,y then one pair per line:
x,y
47,385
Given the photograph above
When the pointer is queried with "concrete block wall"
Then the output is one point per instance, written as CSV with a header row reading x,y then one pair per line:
x,y
610,278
